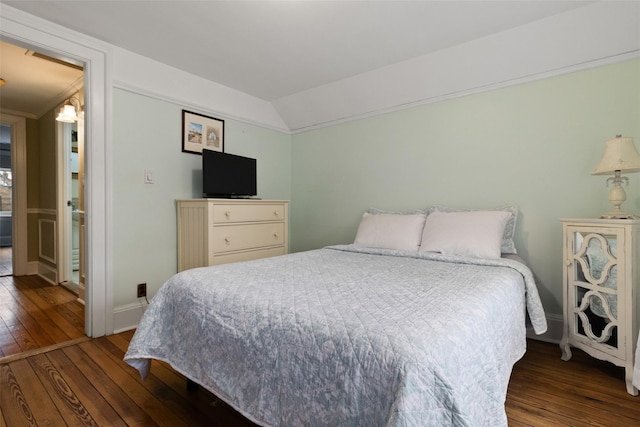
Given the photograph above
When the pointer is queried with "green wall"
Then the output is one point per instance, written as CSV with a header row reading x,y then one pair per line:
x,y
147,135
533,145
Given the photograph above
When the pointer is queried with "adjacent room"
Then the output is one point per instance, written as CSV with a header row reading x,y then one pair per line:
x,y
320,213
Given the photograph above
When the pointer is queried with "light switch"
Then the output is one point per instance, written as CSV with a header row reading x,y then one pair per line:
x,y
148,176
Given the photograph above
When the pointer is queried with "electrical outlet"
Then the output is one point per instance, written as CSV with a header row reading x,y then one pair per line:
x,y
142,290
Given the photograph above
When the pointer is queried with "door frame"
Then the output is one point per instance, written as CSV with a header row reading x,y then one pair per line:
x,y
38,34
18,192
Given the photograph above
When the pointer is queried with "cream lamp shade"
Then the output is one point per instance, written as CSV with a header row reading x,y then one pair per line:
x,y
69,111
620,155
67,114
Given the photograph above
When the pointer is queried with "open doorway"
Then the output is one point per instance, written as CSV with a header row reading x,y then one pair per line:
x,y
37,87
29,166
70,204
6,198
34,86
94,56
14,191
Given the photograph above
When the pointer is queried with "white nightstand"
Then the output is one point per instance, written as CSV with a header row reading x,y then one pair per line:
x,y
601,279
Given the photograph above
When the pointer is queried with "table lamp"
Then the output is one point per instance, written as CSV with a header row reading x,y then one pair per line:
x,y
620,155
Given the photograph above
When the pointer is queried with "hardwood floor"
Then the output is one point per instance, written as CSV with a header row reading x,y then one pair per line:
x,y
546,391
87,383
51,374
35,314
6,255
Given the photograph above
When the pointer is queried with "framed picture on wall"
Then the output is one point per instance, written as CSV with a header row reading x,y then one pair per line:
x,y
200,131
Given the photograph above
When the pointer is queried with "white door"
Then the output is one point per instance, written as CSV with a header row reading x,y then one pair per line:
x,y
64,205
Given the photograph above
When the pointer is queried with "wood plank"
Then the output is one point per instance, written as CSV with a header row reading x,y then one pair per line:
x,y
575,395
31,332
562,402
543,390
13,309
521,413
94,403
28,403
180,406
543,359
17,410
21,300
54,307
35,314
111,392
8,344
121,374
64,398
7,315
204,401
22,337
2,423
41,350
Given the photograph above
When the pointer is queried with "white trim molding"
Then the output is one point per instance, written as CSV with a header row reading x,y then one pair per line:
x,y
597,34
47,273
127,317
554,331
38,34
51,236
41,211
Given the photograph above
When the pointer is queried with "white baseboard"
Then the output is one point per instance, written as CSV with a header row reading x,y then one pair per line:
x,y
32,267
554,330
127,317
47,273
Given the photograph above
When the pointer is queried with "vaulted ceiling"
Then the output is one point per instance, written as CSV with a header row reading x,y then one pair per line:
x,y
277,50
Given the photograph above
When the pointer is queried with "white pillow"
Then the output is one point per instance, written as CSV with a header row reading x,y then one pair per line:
x,y
390,231
508,245
475,234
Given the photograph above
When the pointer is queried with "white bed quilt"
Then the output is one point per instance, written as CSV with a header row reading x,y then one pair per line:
x,y
347,336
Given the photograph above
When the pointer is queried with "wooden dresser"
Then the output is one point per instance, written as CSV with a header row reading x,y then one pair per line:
x,y
602,290
220,231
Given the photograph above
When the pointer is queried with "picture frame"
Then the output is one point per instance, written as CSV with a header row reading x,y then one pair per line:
x,y
200,132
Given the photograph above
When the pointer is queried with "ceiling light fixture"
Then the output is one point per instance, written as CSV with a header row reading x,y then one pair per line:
x,y
69,111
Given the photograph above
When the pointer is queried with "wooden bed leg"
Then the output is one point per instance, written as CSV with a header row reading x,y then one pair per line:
x,y
192,385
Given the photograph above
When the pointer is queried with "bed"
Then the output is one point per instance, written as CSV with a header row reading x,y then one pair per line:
x,y
350,335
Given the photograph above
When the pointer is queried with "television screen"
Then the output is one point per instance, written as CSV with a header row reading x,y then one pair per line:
x,y
227,175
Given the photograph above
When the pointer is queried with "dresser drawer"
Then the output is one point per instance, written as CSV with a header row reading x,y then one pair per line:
x,y
247,213
248,255
220,231
247,236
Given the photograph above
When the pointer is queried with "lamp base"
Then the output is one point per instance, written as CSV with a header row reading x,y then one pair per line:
x,y
617,196
618,215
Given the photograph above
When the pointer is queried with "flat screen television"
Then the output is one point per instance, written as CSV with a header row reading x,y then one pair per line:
x,y
227,175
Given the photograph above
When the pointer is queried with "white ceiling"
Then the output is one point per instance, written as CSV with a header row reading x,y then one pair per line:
x,y
276,49
34,85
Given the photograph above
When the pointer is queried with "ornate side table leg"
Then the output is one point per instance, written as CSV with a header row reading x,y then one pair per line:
x,y
566,348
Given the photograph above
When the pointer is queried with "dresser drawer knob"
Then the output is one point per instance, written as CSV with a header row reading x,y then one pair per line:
x,y
227,214
276,213
227,240
275,235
